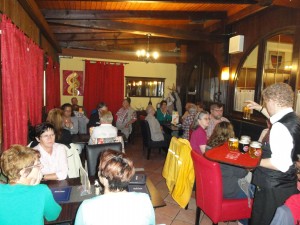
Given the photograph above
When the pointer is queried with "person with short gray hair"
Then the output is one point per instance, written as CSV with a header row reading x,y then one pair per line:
x,y
106,130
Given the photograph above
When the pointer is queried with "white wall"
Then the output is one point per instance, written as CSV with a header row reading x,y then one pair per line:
x,y
133,69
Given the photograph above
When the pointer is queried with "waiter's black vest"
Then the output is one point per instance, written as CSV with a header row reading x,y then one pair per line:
x,y
268,178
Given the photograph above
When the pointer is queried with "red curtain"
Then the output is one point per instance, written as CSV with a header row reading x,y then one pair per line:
x,y
52,85
35,82
22,67
104,82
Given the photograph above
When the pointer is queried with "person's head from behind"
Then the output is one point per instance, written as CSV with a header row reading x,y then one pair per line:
x,y
201,119
216,110
102,107
45,135
21,164
106,118
115,171
55,118
74,101
278,96
200,106
221,133
150,110
192,109
163,105
67,110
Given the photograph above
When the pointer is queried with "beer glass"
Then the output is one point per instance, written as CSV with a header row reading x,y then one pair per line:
x,y
246,113
233,144
255,149
244,145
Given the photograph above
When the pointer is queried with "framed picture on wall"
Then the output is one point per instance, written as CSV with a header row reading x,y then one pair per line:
x,y
72,82
276,60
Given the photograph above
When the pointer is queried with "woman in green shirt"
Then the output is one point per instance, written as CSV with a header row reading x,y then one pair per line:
x,y
162,114
23,200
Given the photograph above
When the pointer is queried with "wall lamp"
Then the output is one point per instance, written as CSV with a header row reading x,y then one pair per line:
x,y
225,73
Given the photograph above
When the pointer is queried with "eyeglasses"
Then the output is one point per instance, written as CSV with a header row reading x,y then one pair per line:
x,y
48,136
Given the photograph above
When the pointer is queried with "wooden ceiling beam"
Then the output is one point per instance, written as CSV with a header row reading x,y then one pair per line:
x,y
34,12
42,2
138,29
132,15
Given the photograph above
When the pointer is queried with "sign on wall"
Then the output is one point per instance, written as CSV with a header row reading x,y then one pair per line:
x,y
73,82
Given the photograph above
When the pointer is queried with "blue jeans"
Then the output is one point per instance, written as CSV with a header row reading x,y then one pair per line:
x,y
242,194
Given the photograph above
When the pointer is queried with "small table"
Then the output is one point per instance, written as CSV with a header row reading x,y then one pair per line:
x,y
80,138
69,209
223,154
171,129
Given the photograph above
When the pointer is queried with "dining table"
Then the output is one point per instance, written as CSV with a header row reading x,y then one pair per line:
x,y
69,208
223,154
174,130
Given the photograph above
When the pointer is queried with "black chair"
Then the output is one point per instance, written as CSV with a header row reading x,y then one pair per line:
x,y
147,142
93,152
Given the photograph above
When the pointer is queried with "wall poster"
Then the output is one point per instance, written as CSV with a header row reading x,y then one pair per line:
x,y
73,82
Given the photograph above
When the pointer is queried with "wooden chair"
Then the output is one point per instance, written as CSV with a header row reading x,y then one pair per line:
x,y
93,152
147,141
209,193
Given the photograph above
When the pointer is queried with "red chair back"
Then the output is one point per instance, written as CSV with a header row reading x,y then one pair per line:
x,y
209,192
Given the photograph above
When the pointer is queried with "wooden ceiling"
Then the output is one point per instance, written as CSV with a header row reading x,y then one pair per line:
x,y
117,28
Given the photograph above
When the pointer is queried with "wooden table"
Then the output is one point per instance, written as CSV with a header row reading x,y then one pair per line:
x,y
80,138
223,154
69,209
171,129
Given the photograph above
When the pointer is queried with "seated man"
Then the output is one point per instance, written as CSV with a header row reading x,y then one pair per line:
x,y
188,120
155,129
126,117
105,131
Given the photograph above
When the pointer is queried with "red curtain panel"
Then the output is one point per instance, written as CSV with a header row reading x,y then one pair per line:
x,y
21,96
104,82
52,85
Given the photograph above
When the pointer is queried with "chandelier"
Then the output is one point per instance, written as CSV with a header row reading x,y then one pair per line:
x,y
146,55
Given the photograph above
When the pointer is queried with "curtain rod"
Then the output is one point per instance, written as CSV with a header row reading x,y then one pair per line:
x,y
105,61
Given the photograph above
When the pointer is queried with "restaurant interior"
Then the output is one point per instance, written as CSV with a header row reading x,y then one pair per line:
x,y
206,51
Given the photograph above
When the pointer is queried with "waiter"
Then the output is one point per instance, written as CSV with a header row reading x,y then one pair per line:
x,y
275,177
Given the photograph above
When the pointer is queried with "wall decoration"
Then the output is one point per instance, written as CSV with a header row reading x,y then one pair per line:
x,y
276,60
73,82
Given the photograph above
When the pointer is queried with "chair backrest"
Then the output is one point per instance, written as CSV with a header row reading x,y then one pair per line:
x,y
209,186
145,132
93,152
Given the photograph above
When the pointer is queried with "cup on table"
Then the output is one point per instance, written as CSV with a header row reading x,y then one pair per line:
x,y
244,145
233,144
246,113
255,149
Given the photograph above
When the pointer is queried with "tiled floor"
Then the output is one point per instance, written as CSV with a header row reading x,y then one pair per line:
x,y
171,213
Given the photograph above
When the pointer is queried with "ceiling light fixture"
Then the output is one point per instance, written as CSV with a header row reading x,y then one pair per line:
x,y
146,55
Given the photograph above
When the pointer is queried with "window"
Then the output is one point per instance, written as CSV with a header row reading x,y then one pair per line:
x,y
145,87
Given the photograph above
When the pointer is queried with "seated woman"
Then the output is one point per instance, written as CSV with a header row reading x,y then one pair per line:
x,y
70,121
162,114
126,117
116,206
62,136
198,138
230,174
53,155
23,200
155,128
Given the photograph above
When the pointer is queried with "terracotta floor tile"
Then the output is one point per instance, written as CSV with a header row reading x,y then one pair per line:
x,y
187,216
170,210
163,219
179,222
